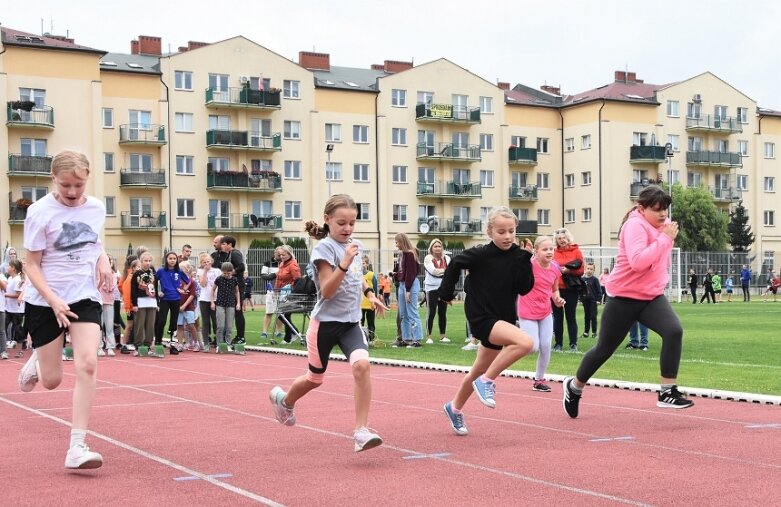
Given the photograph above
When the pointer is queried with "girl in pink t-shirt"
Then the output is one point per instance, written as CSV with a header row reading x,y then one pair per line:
x,y
534,309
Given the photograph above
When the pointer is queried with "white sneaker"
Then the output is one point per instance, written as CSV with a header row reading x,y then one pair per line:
x,y
28,375
283,414
80,457
110,353
366,439
429,341
444,339
11,344
101,353
469,346
4,355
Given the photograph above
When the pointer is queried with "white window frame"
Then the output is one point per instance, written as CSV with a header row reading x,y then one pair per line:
x,y
543,145
140,162
108,162
291,89
543,216
186,205
363,212
769,184
333,171
185,165
361,173
675,141
34,193
569,216
486,105
569,144
586,214
743,147
292,210
111,205
400,213
399,136
292,169
183,80
486,142
585,142
486,178
333,132
184,122
585,178
741,182
743,115
518,141
108,118
569,180
361,134
399,173
543,181
769,218
770,150
673,109
398,98
292,130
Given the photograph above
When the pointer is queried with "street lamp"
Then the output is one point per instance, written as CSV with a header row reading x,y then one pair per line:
x,y
328,149
669,153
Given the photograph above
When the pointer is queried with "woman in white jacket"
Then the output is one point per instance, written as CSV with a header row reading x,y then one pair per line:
x,y
435,263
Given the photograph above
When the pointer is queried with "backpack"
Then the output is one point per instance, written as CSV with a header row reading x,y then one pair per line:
x,y
304,286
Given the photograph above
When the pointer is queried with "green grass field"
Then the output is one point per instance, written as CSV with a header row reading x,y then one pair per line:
x,y
732,346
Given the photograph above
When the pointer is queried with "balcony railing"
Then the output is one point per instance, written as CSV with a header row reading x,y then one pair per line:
x,y
29,165
136,178
451,226
637,186
243,140
647,154
449,151
447,113
230,180
726,124
449,189
244,222
714,158
133,133
522,156
243,97
526,227
17,213
726,194
38,117
527,193
153,221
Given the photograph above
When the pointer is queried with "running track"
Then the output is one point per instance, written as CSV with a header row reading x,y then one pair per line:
x,y
197,429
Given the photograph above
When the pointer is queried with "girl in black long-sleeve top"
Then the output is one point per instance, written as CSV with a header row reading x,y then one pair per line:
x,y
498,273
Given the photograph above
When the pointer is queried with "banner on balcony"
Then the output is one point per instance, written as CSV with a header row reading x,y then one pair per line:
x,y
441,110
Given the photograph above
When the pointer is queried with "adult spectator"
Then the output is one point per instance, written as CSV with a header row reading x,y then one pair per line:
x,y
745,282
570,260
187,251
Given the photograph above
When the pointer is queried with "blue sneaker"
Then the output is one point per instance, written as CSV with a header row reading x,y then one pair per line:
x,y
456,420
283,414
485,392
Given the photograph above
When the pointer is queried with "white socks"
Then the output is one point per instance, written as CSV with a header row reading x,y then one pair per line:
x,y
78,437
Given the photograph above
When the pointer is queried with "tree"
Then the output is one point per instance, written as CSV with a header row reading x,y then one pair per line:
x,y
702,227
740,236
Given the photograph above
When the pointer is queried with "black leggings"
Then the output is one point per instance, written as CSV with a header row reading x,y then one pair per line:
x,y
162,314
434,307
569,310
710,295
693,289
618,316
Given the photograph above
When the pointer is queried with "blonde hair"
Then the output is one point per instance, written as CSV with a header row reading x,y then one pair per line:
x,y
405,245
334,203
500,211
540,240
204,255
68,160
186,267
145,254
566,232
287,249
435,241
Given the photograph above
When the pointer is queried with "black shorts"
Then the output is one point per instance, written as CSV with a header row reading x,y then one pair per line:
x,y
481,329
42,324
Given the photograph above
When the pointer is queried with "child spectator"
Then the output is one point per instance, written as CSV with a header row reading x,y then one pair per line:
x,y
3,340
225,302
246,298
169,277
186,334
367,308
206,276
592,292
128,337
107,299
385,288
14,311
602,280
728,287
143,297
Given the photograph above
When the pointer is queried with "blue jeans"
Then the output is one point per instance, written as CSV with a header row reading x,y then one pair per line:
x,y
411,328
633,332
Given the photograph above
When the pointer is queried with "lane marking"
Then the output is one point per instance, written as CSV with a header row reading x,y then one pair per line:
x,y
195,478
611,439
770,425
426,456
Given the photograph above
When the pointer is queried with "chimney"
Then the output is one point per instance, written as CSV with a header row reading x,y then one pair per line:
x,y
149,45
133,47
195,45
554,90
314,61
393,66
63,38
620,76
182,49
377,66
503,86
631,77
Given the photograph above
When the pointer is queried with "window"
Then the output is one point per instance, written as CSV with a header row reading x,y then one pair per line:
x,y
218,164
183,80
185,164
720,112
587,214
695,144
639,138
184,122
585,178
292,129
139,207
399,98
108,118
333,171
569,144
426,175
291,90
36,95
486,178
543,217
519,179
461,176
673,176
360,134
585,142
425,97
333,132
542,145
293,169
639,175
675,140
399,212
487,105
673,108
293,210
34,193
694,179
363,211
111,206
260,132
569,216
743,114
520,213
518,141
219,122
108,162
770,184
361,172
220,210
219,83
741,182
543,180
743,147
770,150
140,163
399,136
693,110
461,214
569,180
487,142
722,145
262,208
769,218
185,208
460,103
399,174
460,139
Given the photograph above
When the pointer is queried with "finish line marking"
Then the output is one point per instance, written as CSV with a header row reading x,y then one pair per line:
x,y
427,456
613,439
194,478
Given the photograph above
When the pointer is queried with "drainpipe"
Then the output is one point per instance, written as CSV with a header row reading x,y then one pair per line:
x,y
377,169
170,202
599,169
562,169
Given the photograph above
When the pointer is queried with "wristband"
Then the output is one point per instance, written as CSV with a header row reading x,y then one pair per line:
x,y
367,291
340,267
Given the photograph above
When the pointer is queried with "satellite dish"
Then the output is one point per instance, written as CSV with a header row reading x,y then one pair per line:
x,y
424,228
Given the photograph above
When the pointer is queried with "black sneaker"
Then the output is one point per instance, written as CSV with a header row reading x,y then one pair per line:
x,y
415,345
173,350
400,344
630,346
557,348
239,340
585,335
571,399
573,348
672,398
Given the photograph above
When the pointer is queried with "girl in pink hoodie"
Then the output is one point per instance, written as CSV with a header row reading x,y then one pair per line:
x,y
635,290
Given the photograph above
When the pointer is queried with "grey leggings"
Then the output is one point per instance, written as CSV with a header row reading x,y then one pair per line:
x,y
618,316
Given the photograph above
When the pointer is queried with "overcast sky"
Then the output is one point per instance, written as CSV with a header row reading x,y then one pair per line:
x,y
576,45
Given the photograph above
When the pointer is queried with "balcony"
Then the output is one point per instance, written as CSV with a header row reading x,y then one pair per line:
x,y
714,158
17,211
242,140
451,227
134,134
154,221
243,98
448,113
527,193
136,178
647,154
29,165
522,156
710,123
727,194
263,181
40,117
449,151
244,222
449,189
526,227
637,186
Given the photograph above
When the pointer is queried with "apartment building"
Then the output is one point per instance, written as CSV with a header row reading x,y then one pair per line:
x,y
230,137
